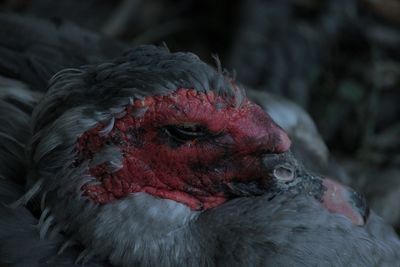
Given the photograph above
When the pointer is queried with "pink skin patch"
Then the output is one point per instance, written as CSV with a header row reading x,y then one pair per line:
x,y
195,172
336,199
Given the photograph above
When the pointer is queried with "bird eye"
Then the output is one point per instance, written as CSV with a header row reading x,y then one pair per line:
x,y
186,132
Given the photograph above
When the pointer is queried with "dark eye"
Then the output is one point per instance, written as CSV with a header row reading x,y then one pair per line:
x,y
186,132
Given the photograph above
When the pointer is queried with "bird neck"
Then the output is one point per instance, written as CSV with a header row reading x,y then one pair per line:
x,y
138,229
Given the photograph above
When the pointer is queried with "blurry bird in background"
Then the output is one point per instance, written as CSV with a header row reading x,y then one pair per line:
x,y
33,62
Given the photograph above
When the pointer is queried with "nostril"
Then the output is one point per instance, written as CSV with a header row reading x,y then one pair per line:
x,y
282,166
284,173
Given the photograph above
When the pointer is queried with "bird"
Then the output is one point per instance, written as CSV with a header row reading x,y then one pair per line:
x,y
155,158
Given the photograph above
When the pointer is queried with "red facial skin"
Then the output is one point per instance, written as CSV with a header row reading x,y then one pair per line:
x,y
193,172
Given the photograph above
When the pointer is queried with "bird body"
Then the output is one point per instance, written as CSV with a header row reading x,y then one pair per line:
x,y
156,159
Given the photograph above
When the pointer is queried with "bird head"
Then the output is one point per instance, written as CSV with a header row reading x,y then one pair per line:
x,y
160,123
125,153
192,147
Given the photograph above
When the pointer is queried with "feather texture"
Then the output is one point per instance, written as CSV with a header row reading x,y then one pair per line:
x,y
55,225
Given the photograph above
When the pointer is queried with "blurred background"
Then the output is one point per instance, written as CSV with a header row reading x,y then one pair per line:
x,y
338,59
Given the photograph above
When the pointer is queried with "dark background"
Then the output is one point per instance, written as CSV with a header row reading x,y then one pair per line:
x,y
338,59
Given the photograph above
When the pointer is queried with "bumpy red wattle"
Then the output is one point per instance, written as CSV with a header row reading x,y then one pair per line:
x,y
194,172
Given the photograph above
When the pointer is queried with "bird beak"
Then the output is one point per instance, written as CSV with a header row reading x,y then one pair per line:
x,y
281,167
335,197
284,174
341,199
277,169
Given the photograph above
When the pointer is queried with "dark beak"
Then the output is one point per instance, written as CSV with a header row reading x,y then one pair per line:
x,y
335,197
283,174
277,169
281,168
